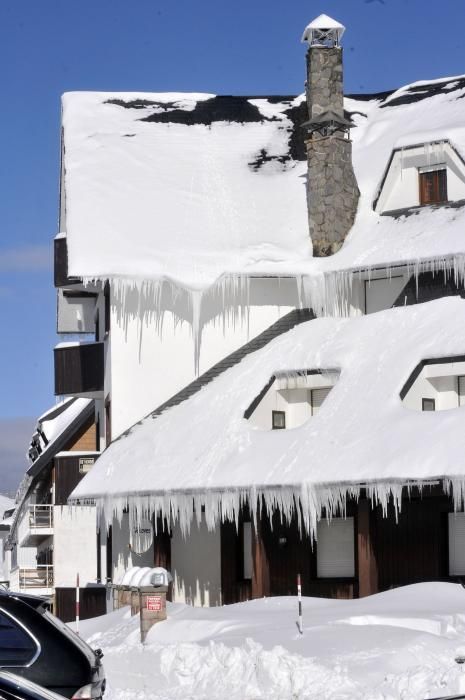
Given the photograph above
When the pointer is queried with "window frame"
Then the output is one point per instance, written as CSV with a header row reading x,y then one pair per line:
x,y
439,189
425,401
275,414
336,576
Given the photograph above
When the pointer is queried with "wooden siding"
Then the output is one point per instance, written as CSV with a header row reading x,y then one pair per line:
x,y
85,439
387,553
416,547
67,477
79,369
93,602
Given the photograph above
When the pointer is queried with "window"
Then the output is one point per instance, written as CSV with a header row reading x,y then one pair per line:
x,y
461,390
278,420
456,544
17,647
317,398
428,405
335,548
433,186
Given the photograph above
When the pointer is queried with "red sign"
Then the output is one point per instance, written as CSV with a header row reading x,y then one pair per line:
x,y
154,603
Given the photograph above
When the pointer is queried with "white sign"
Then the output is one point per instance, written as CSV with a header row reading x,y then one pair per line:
x,y
142,537
86,464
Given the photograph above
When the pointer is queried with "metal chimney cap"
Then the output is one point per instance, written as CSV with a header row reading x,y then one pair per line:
x,y
323,29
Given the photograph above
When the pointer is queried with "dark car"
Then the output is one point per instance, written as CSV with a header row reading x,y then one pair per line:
x,y
14,687
36,645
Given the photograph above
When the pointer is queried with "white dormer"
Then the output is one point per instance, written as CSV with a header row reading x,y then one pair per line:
x,y
436,385
291,399
420,175
323,31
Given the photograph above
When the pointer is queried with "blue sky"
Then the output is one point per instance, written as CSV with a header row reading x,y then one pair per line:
x,y
247,47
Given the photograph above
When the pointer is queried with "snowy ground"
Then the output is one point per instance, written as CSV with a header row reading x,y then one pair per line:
x,y
398,644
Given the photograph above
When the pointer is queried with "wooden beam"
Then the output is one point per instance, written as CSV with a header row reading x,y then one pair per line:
x,y
261,569
367,567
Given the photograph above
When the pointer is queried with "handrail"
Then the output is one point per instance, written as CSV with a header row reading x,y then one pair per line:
x,y
41,515
39,577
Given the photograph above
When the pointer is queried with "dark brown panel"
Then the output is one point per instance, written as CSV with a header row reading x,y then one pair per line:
x,y
415,548
60,267
79,369
234,587
68,473
92,603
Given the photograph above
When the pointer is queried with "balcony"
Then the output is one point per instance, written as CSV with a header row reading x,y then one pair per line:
x,y
40,525
79,369
40,577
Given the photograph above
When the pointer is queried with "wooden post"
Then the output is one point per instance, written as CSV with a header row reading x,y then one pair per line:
x,y
162,549
261,568
367,567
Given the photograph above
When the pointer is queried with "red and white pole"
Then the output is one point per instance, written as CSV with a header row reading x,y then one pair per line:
x,y
299,598
77,603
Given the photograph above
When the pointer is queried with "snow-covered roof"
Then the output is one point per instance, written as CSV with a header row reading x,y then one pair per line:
x,y
5,504
194,187
205,450
54,423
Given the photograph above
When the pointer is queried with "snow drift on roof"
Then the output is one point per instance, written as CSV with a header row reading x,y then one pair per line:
x,y
204,450
192,187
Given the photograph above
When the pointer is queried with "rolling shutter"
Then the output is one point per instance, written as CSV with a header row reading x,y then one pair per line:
x,y
461,388
456,544
335,548
318,396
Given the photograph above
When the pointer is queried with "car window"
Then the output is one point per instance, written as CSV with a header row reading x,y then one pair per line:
x,y
17,646
68,632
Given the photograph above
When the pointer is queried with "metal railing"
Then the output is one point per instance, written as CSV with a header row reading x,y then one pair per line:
x,y
40,577
41,516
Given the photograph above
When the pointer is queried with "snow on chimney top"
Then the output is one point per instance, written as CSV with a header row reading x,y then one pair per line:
x,y
323,31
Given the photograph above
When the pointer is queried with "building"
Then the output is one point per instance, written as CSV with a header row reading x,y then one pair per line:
x,y
195,229
50,542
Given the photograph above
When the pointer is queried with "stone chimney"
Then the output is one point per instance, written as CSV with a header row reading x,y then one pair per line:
x,y
332,191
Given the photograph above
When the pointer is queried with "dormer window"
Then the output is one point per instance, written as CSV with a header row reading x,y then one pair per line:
x,y
433,185
419,175
290,399
436,384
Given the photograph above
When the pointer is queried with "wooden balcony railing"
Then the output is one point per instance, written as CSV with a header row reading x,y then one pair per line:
x,y
40,577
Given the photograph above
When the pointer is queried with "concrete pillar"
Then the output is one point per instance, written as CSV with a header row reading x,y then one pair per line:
x,y
152,607
367,567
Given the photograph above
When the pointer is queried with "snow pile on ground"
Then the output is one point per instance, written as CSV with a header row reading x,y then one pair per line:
x,y
204,450
398,645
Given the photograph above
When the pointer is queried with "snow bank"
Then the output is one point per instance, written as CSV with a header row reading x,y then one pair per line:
x,y
402,646
204,452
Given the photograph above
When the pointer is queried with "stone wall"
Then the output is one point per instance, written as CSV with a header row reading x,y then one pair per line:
x,y
324,81
332,192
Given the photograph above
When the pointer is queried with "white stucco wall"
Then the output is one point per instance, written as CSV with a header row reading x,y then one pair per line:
x,y
196,566
74,545
147,370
